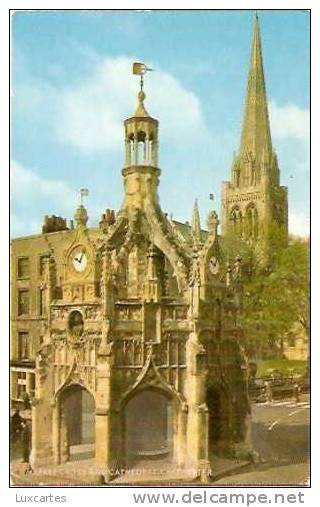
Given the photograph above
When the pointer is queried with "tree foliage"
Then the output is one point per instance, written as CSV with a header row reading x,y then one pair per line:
x,y
276,292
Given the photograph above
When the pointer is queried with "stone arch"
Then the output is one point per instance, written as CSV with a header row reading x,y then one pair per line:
x,y
150,377
141,136
73,423
141,147
149,424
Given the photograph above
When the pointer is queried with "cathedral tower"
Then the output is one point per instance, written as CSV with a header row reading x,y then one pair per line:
x,y
254,205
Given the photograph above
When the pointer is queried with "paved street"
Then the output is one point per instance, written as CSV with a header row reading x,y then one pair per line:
x,y
280,434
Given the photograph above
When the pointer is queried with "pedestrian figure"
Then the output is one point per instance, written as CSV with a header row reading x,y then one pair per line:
x,y
296,391
26,442
268,391
26,402
17,423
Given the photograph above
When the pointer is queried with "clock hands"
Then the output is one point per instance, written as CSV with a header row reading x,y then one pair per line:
x,y
79,260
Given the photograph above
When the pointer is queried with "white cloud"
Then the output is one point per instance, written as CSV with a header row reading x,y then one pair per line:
x,y
299,224
89,115
289,121
27,184
34,196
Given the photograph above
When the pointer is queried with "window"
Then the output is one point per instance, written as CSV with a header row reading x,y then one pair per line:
x,y
21,385
23,302
23,345
42,264
23,267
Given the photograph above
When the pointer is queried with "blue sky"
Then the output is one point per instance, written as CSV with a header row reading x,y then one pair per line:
x,y
72,88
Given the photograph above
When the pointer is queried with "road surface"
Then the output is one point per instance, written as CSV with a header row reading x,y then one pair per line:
x,y
280,434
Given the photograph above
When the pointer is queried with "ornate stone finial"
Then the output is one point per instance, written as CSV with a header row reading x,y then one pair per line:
x,y
141,110
81,215
108,218
195,278
195,223
213,222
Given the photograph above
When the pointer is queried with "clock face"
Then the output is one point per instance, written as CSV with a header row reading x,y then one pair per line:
x,y
79,259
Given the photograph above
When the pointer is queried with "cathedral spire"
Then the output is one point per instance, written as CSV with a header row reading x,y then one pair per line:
x,y
256,128
195,224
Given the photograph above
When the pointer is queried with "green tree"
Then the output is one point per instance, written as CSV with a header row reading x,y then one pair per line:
x,y
276,292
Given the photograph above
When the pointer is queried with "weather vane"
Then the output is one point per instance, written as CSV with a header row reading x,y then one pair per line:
x,y
140,69
84,192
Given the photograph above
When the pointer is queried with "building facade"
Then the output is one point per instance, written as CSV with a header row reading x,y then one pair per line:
x,y
127,334
254,204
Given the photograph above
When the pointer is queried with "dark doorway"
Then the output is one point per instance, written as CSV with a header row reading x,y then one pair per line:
x,y
78,410
148,426
215,417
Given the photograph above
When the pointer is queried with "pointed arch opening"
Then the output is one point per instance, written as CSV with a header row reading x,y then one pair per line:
x,y
76,423
148,425
142,147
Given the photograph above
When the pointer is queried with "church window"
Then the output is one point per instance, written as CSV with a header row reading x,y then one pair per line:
x,y
252,222
236,219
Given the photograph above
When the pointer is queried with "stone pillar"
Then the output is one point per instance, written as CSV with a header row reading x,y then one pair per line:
x,y
56,434
198,433
41,440
118,460
103,417
197,427
127,152
64,440
135,148
103,436
180,436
